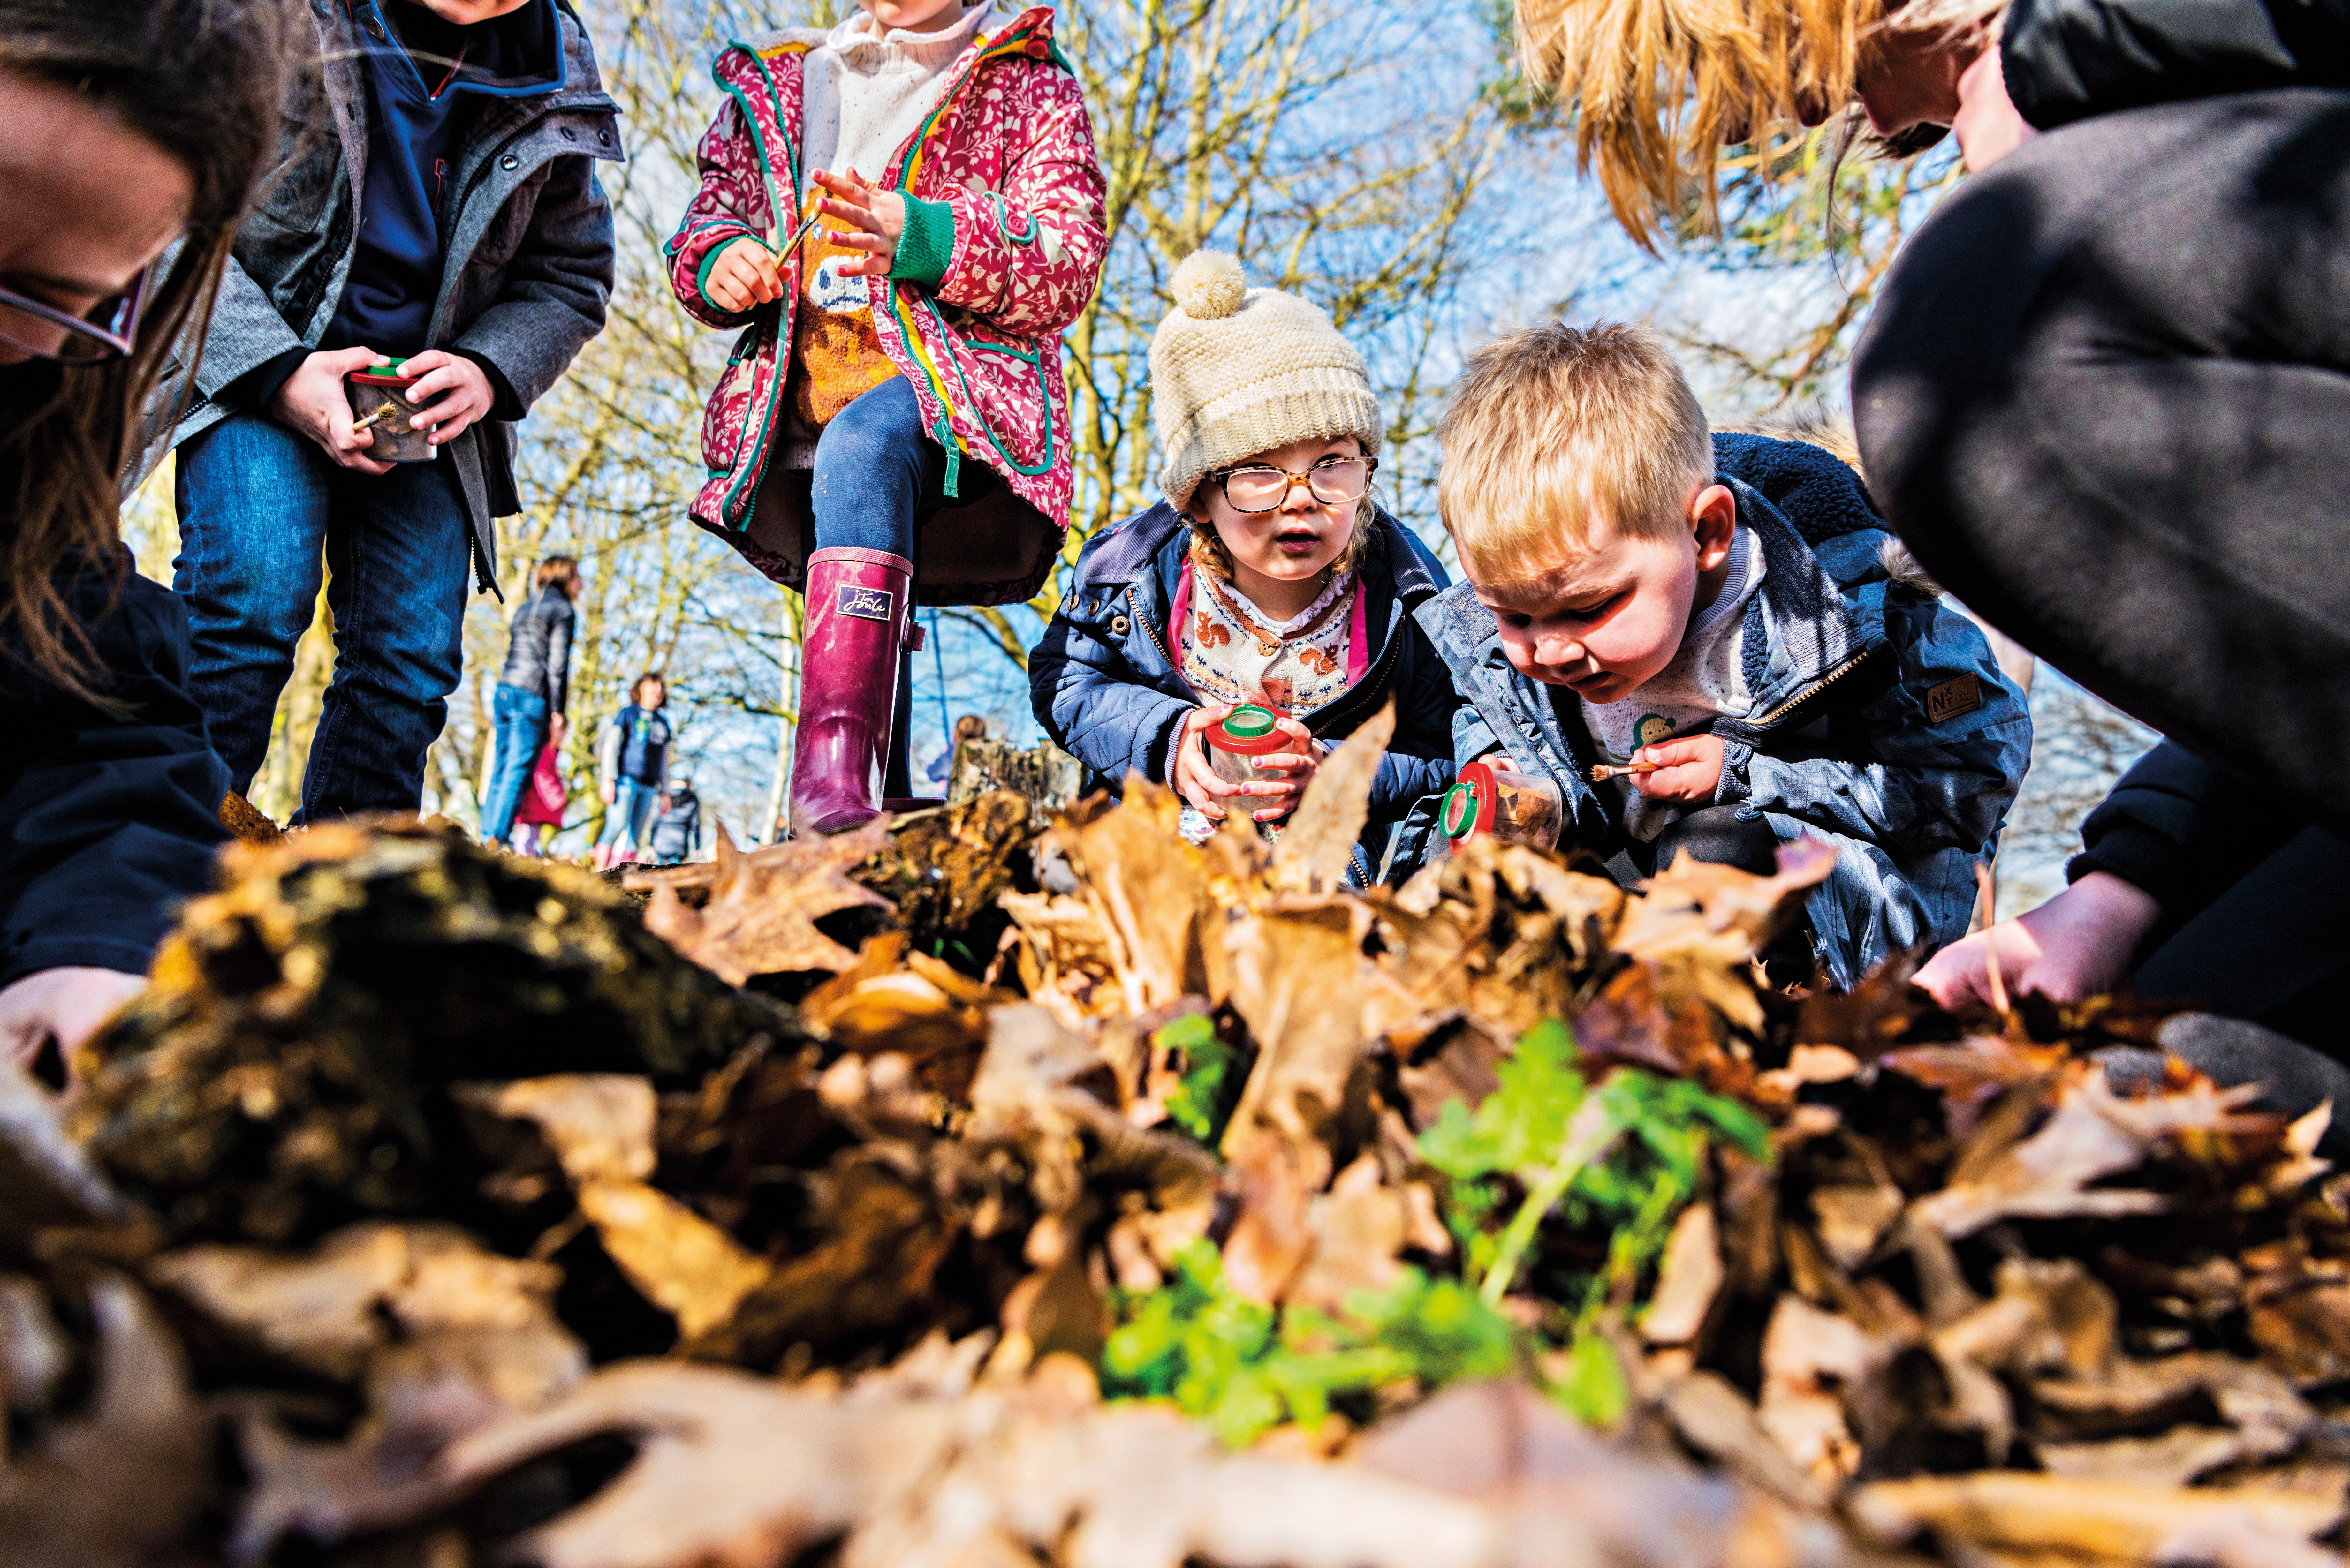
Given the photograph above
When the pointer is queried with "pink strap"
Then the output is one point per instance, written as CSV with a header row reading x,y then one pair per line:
x,y
1359,641
1175,617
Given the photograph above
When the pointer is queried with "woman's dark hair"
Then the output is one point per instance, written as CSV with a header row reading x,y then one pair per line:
x,y
559,571
636,686
199,80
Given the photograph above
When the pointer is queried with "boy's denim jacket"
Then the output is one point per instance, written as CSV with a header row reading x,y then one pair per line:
x,y
1881,722
1104,686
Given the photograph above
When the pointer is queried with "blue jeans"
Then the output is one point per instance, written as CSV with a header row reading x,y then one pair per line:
x,y
631,809
258,505
878,477
522,721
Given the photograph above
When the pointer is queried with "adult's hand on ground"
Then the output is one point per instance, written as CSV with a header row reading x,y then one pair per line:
x,y
313,403
65,1005
2077,944
452,393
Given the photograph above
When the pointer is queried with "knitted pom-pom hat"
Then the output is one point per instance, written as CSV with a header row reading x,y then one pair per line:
x,y
1235,371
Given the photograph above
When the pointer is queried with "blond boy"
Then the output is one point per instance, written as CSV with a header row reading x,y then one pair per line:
x,y
1728,612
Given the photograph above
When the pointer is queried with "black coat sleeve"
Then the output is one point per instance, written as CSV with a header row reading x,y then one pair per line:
x,y
2065,60
111,819
2181,829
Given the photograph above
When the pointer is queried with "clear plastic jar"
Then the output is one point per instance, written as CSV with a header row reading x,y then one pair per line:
x,y
382,396
1239,738
1516,808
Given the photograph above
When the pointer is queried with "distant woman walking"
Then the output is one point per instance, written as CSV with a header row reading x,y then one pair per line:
x,y
529,701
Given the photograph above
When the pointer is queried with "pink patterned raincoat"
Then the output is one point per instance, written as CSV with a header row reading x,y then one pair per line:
x,y
1003,245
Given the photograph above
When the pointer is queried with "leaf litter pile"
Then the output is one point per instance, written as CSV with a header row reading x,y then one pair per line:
x,y
978,1192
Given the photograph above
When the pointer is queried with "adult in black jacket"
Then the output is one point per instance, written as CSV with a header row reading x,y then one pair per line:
x,y
531,694
123,126
2102,396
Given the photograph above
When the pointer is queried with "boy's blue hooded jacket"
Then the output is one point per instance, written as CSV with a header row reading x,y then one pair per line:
x,y
1881,722
1105,689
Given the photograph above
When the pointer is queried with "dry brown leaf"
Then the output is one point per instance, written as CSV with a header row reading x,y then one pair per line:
x,y
1694,907
599,1125
1715,1420
331,1310
1295,984
122,1483
763,904
423,1394
1357,1228
1853,1218
2113,1519
1688,1280
730,1470
1970,1073
1317,843
2091,1134
2177,1457
1808,1356
679,1261
1147,889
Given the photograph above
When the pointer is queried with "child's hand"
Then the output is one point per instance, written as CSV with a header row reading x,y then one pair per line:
x,y
876,219
313,403
458,392
1296,769
744,275
611,793
1192,776
1689,769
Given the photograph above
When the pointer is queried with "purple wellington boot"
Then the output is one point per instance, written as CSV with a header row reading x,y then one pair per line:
x,y
860,614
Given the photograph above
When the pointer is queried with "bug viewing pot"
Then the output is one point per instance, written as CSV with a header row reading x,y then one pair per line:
x,y
382,396
1516,808
1239,738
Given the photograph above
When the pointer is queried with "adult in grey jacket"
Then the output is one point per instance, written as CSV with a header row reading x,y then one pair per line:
x,y
435,200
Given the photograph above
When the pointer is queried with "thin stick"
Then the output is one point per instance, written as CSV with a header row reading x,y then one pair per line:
x,y
1605,771
358,425
1989,891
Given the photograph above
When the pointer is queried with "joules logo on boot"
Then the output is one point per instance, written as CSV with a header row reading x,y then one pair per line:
x,y
866,604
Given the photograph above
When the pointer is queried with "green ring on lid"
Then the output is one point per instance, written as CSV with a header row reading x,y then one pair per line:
x,y
1459,815
1249,723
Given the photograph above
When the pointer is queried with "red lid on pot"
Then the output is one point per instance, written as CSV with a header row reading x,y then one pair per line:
x,y
1468,804
391,375
1248,731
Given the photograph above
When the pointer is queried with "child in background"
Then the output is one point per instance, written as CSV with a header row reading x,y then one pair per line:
x,y
677,829
903,368
540,816
631,764
1267,575
1632,600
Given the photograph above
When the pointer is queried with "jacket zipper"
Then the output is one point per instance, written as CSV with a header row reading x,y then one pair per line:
x,y
1825,681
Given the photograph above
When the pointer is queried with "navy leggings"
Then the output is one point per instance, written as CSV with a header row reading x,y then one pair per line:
x,y
878,477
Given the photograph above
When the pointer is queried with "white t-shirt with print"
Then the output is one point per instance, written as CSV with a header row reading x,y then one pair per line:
x,y
1705,681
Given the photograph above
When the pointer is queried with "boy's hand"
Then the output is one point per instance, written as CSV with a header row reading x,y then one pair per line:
x,y
1296,768
313,403
2077,944
745,273
876,219
1689,769
452,393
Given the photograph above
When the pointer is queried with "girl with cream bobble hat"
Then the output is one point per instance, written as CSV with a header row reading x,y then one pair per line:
x,y
1267,576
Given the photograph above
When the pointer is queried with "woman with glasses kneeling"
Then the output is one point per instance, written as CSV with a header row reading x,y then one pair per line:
x,y
123,128
1264,609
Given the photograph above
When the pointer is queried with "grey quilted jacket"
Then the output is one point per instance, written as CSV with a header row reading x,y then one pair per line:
x,y
526,268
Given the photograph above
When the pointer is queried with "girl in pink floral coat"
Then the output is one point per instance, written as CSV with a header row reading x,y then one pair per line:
x,y
895,395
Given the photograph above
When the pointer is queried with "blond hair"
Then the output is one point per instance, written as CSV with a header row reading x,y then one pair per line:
x,y
1659,86
1554,426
